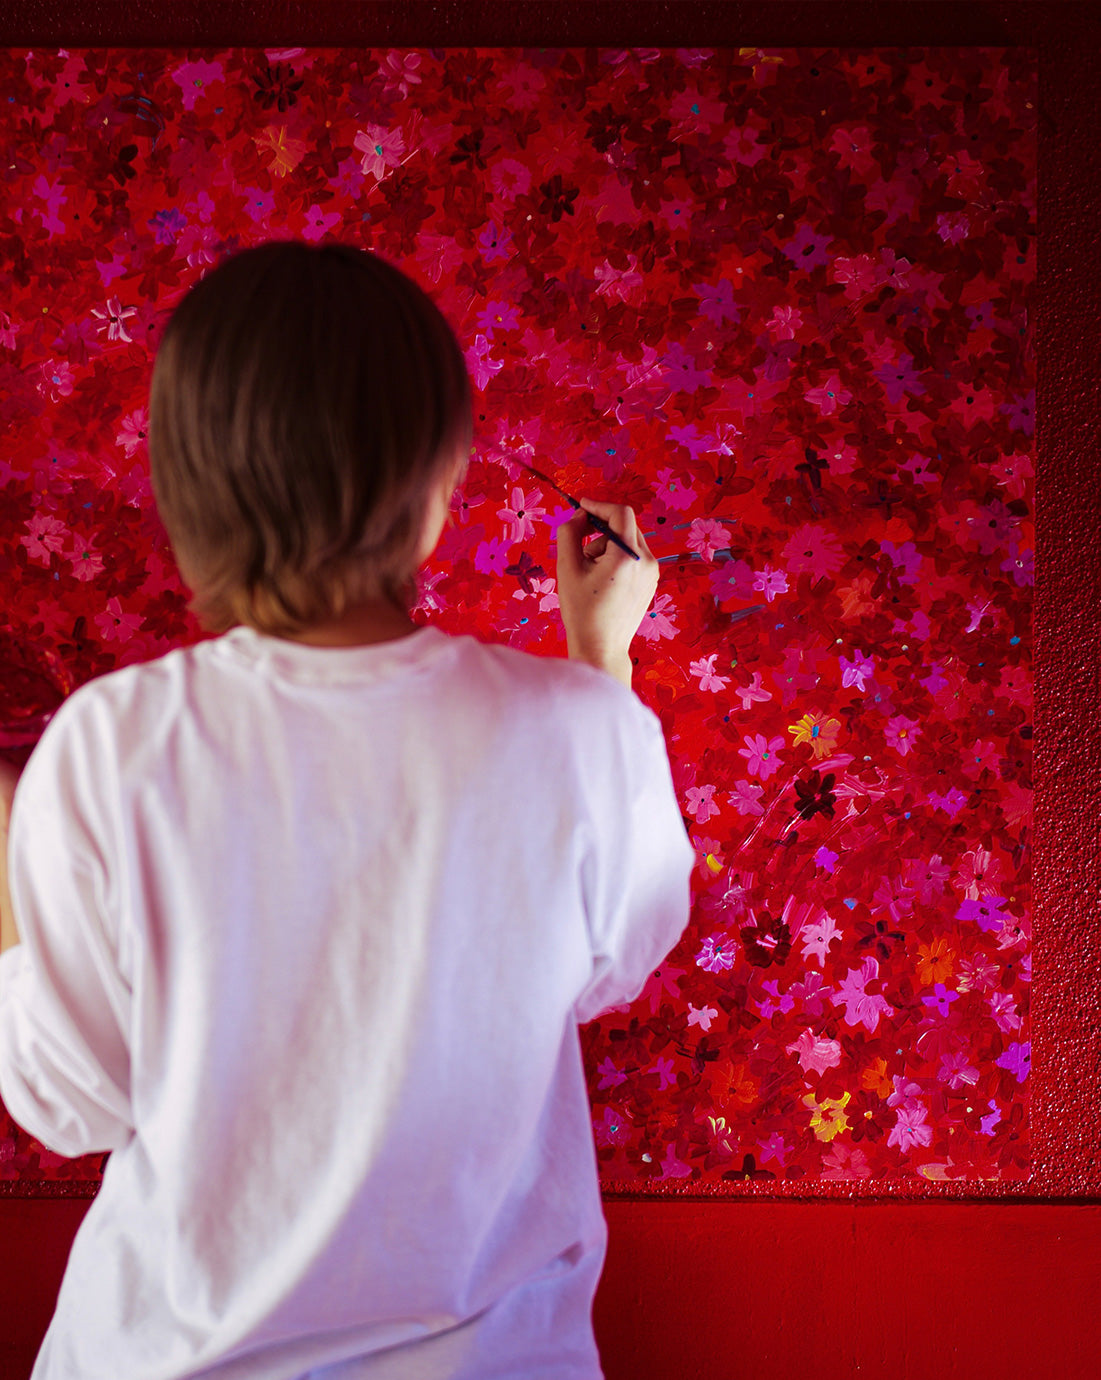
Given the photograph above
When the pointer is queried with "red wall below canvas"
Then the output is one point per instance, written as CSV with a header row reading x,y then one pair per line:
x,y
743,1290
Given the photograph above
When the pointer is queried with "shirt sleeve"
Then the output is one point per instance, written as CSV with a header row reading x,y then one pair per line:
x,y
64,1002
635,878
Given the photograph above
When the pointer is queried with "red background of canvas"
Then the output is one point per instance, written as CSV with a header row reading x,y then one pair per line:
x,y
761,1289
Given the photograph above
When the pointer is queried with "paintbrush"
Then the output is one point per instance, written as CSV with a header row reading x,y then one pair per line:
x,y
597,522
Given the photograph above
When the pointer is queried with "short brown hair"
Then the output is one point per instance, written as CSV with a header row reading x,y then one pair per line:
x,y
305,402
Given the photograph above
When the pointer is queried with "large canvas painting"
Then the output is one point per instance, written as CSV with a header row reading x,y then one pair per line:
x,y
778,301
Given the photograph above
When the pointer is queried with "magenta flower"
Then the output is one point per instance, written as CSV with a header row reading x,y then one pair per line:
x,y
716,957
901,733
762,754
815,551
829,397
491,557
942,998
1017,1059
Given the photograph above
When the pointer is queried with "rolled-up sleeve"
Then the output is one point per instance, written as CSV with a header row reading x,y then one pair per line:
x,y
64,1001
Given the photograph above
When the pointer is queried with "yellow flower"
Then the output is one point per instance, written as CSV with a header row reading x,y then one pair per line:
x,y
935,962
817,730
829,1118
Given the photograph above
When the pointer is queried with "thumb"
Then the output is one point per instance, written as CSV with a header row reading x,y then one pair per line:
x,y
571,543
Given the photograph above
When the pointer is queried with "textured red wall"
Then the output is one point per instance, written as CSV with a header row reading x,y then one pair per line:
x,y
767,1289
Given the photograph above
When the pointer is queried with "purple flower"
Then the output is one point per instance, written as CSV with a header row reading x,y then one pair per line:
x,y
900,378
986,911
683,373
941,997
1021,412
491,557
717,303
806,249
1020,565
1017,1059
167,225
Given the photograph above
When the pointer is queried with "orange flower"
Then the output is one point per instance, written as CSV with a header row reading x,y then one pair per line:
x,y
935,962
874,1078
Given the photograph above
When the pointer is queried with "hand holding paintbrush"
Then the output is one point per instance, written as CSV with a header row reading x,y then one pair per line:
x,y
598,522
602,595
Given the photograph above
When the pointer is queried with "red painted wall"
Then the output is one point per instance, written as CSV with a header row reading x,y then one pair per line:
x,y
763,1291
763,1288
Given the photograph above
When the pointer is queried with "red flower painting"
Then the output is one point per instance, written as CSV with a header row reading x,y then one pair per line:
x,y
776,300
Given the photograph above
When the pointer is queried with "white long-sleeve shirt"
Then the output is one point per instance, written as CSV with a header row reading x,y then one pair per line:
x,y
307,933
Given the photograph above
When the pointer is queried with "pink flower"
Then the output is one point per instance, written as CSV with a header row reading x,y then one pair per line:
x,y
618,282
829,396
509,179
55,380
133,430
658,622
785,322
705,669
814,1053
706,537
770,582
753,692
861,1007
815,551
319,223
859,272
194,77
400,70
715,957
674,493
522,84
491,557
817,938
746,798
761,754
846,1162
115,318
116,626
44,534
775,1149
521,516
901,733
956,1071
382,149
855,671
910,1129
701,803
701,1017
480,365
87,562
953,227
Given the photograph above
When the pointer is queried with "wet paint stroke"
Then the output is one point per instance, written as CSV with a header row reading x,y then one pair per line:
x,y
778,301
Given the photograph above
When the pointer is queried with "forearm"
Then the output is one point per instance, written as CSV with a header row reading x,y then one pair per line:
x,y
9,935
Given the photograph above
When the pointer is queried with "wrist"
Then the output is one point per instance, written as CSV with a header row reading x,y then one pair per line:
x,y
617,665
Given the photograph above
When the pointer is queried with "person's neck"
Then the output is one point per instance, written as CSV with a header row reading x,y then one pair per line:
x,y
375,621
